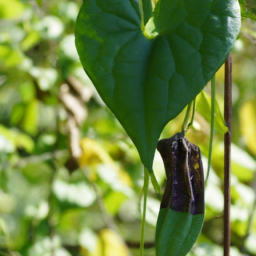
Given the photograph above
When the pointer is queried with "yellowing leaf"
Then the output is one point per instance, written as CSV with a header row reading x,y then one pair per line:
x,y
247,116
109,244
10,9
243,166
203,106
93,154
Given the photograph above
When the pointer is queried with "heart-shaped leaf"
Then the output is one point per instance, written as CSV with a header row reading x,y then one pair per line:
x,y
147,76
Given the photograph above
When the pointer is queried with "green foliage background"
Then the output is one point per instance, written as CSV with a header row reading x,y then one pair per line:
x,y
70,177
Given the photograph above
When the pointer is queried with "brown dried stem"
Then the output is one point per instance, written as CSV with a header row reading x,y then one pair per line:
x,y
227,152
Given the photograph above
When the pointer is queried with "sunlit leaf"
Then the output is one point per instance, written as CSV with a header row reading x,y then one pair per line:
x,y
152,211
10,56
247,115
88,239
17,139
46,77
242,164
29,122
50,27
250,243
30,40
203,106
75,193
113,200
94,154
10,9
109,244
7,203
45,246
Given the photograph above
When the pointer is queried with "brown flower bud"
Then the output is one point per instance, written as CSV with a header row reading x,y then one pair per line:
x,y
184,190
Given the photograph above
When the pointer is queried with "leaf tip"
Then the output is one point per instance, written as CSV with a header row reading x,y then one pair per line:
x,y
154,182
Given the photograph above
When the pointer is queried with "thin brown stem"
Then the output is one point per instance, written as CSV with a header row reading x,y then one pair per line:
x,y
227,152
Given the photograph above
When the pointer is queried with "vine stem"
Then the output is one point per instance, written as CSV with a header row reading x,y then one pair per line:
x,y
227,152
142,14
146,183
193,113
186,117
212,126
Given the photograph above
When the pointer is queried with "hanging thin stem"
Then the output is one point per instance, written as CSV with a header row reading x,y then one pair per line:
x,y
193,114
142,14
146,182
186,118
212,126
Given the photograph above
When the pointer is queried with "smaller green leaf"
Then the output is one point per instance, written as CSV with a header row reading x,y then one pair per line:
x,y
204,108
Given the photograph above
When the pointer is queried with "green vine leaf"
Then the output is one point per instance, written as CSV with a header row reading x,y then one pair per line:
x,y
147,77
203,106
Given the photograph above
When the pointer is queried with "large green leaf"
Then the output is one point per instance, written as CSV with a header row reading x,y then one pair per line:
x,y
147,77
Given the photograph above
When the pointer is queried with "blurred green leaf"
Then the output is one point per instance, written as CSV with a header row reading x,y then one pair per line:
x,y
47,246
203,106
50,27
46,77
248,8
11,9
10,56
30,120
7,203
30,40
242,164
250,244
247,115
79,193
113,200
16,139
152,211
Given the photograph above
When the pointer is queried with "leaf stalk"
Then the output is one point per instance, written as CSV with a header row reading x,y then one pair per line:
x,y
212,126
146,183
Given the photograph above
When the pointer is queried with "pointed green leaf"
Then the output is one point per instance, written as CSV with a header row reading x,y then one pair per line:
x,y
203,106
147,78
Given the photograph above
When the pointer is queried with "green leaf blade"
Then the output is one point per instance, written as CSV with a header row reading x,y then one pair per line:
x,y
177,232
204,108
147,81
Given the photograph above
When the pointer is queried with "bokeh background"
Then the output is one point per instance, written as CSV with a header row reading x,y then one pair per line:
x,y
70,178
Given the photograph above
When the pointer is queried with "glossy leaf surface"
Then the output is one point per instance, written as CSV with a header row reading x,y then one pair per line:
x,y
147,77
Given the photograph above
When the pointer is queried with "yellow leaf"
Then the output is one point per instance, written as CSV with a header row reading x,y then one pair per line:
x,y
109,244
93,154
247,114
203,106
